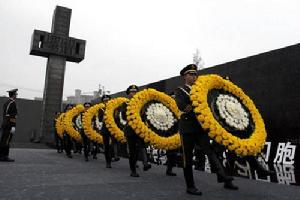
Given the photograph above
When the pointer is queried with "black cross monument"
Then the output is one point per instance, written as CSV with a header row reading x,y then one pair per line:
x,y
58,47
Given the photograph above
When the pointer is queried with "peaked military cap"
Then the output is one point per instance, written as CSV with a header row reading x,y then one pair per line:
x,y
106,97
68,106
132,88
192,68
87,104
12,92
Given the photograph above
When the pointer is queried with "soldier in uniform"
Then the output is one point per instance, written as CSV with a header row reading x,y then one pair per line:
x,y
134,142
171,155
85,140
58,140
105,133
192,134
171,161
8,125
67,138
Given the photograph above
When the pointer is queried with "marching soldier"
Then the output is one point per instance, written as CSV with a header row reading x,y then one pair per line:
x,y
171,162
134,142
58,140
8,125
105,133
192,134
67,138
85,139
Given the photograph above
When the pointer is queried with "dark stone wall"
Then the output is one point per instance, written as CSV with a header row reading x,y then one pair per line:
x,y
28,120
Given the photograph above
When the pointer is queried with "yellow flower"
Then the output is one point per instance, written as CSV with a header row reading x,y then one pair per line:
x,y
87,124
113,128
68,124
59,125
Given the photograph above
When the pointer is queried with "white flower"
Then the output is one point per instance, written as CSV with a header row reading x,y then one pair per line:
x,y
160,116
232,112
78,122
98,123
122,121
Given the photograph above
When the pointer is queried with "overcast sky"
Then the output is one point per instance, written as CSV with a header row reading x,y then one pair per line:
x,y
139,41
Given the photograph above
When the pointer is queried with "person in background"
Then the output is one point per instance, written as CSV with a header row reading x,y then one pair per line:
x,y
8,126
85,140
67,138
58,140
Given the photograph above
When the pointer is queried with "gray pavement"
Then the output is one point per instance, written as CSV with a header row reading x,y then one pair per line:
x,y
45,174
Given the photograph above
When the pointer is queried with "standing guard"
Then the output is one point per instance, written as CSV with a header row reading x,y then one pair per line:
x,y
8,125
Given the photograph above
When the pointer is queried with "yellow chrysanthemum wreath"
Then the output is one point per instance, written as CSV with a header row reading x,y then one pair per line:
x,y
135,121
109,119
68,124
59,125
87,118
199,96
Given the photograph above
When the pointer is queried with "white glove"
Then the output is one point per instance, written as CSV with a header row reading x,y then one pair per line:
x,y
12,130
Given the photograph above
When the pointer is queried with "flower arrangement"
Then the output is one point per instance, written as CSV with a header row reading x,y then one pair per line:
x,y
232,112
160,116
59,125
228,114
151,114
110,118
87,121
78,122
68,122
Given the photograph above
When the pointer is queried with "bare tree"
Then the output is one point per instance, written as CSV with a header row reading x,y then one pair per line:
x,y
197,59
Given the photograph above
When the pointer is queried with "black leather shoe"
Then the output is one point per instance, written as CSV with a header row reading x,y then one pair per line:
x,y
86,159
222,179
69,156
169,173
95,157
147,167
108,165
229,185
193,191
134,174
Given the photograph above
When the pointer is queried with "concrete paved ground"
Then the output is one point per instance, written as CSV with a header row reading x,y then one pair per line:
x,y
45,174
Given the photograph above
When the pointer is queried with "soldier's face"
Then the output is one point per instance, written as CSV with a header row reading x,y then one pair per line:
x,y
14,96
190,78
131,94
